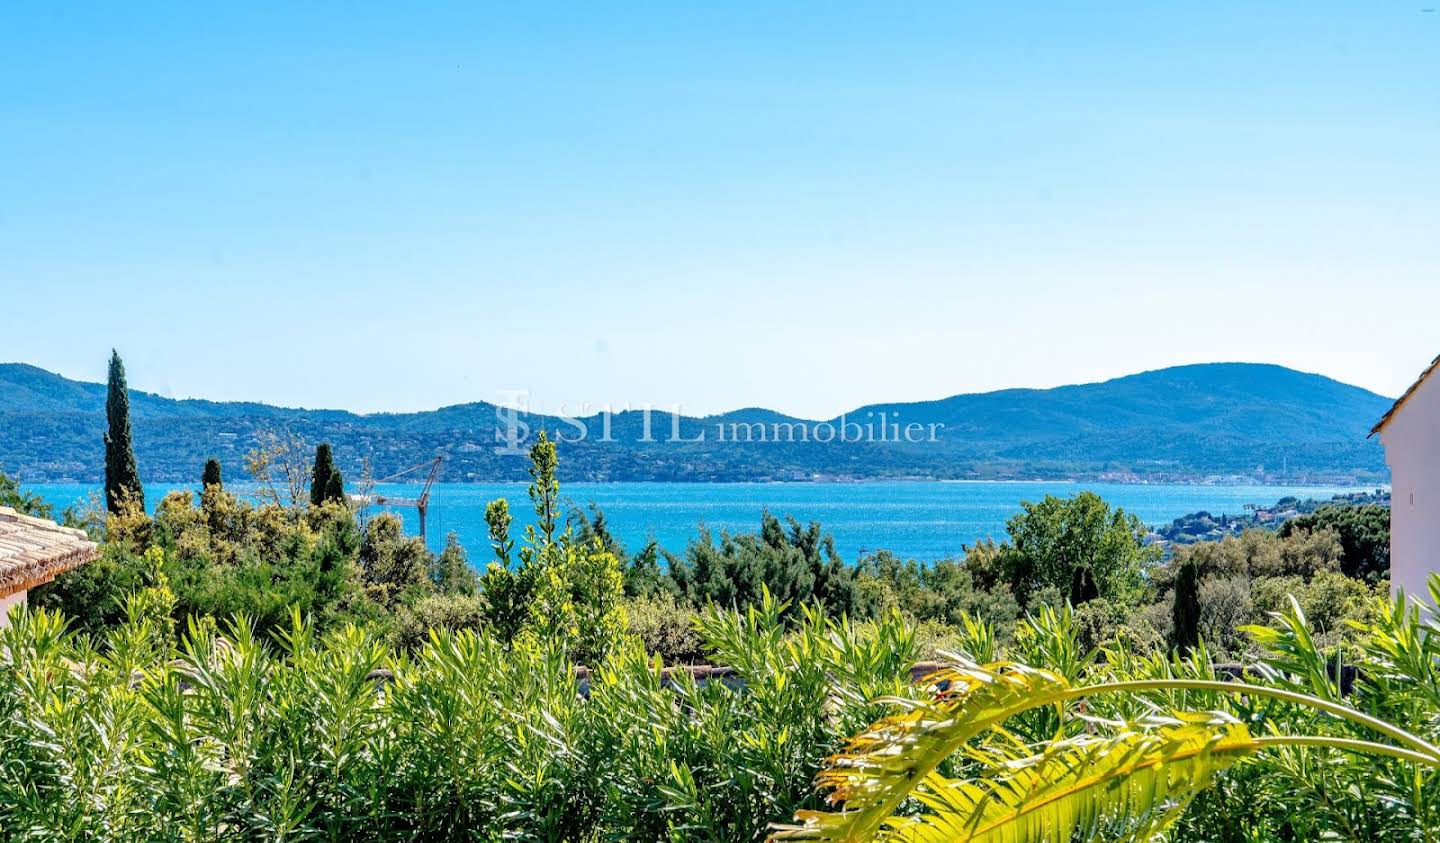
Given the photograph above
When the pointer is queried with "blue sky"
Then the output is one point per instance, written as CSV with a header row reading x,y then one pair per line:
x,y
806,208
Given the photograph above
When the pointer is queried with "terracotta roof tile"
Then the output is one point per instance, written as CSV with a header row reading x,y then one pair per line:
x,y
34,551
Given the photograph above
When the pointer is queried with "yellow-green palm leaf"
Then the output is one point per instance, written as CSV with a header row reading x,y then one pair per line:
x,y
880,767
1126,786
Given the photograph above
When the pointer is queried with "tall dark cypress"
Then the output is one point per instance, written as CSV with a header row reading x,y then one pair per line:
x,y
320,474
211,477
335,487
1187,606
122,478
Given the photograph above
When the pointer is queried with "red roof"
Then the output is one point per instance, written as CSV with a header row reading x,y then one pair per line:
x,y
33,551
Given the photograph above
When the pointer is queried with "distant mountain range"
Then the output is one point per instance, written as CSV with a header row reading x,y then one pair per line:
x,y
1219,421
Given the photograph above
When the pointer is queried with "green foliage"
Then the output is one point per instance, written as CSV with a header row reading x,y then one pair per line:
x,y
393,566
152,606
335,487
1331,601
328,735
211,475
93,595
1260,553
1079,548
1131,743
1202,526
665,627
590,525
505,594
451,571
544,490
643,577
23,502
1186,633
944,592
1364,535
122,478
475,724
1226,604
497,518
1244,579
642,572
597,591
448,612
326,483
566,588
223,558
798,564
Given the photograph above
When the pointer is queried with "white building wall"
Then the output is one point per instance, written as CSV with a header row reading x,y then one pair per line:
x,y
1412,450
16,599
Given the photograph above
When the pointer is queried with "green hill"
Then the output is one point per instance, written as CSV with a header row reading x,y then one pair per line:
x,y
1183,423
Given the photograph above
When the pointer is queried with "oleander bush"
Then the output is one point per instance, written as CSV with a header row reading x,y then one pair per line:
x,y
229,735
309,735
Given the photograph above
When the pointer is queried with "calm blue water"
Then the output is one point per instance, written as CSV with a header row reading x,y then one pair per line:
x,y
924,520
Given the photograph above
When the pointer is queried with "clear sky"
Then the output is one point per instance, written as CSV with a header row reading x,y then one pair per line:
x,y
400,206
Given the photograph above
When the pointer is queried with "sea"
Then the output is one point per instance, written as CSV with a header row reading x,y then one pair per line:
x,y
926,520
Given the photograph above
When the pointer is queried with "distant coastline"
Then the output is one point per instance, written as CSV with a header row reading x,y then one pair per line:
x,y
1209,424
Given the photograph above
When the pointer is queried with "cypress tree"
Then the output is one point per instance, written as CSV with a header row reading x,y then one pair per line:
x,y
320,474
211,477
335,487
122,478
1187,606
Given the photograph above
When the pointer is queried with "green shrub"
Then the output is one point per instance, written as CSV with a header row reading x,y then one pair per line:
x,y
1363,533
665,627
795,562
442,612
333,736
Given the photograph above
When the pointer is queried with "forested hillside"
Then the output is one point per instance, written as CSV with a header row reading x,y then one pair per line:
x,y
1183,423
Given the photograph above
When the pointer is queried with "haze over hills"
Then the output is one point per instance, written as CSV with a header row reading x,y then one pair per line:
x,y
1187,423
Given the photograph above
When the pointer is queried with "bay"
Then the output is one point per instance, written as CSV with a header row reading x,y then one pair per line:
x,y
921,520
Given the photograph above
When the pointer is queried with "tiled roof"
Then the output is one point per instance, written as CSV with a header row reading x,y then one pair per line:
x,y
33,551
1394,408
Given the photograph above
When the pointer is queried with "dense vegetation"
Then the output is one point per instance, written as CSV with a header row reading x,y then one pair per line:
x,y
311,735
1184,423
334,736
224,556
1119,747
292,669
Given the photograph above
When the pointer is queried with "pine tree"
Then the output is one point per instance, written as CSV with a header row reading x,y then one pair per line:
x,y
122,478
335,487
1187,606
320,474
211,476
452,572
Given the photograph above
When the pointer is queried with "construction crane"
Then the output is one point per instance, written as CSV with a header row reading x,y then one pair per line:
x,y
420,504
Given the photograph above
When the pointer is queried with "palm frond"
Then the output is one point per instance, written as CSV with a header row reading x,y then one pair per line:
x,y
1127,786
879,768
1137,778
